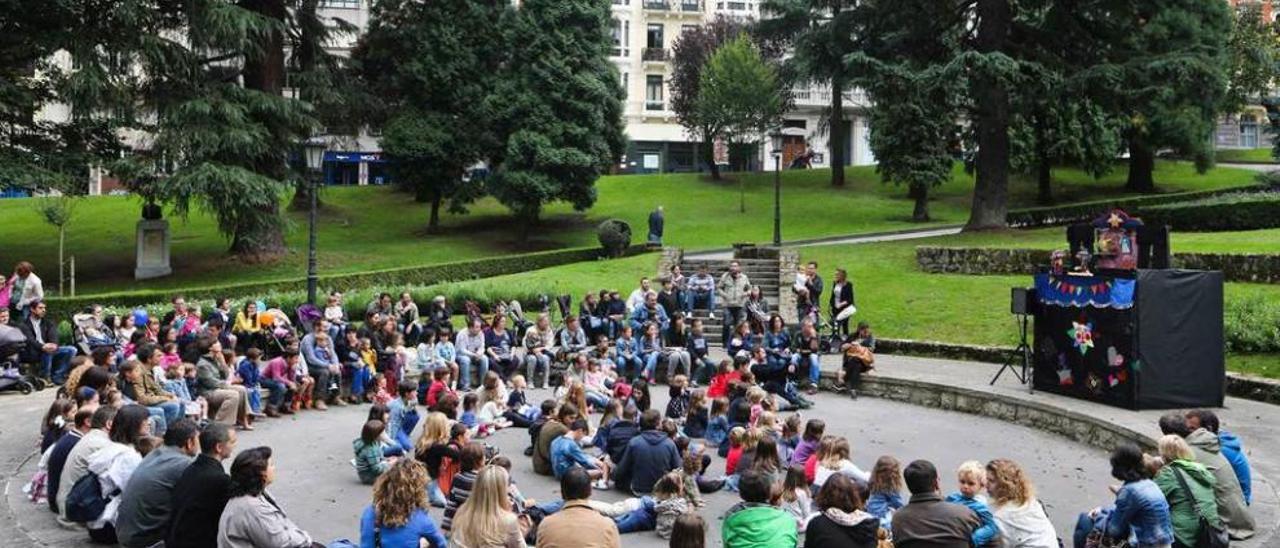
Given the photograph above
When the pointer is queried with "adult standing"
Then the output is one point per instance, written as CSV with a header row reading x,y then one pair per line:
x,y
252,519
648,456
1188,486
841,300
77,463
656,221
814,285
577,524
25,289
398,516
1226,490
842,522
41,333
202,492
1021,518
146,504
732,291
486,520
926,520
114,465
213,381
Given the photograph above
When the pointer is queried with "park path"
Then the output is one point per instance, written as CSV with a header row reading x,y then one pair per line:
x,y
912,234
1264,168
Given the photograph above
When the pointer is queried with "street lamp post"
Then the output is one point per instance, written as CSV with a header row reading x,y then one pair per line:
x,y
775,139
313,150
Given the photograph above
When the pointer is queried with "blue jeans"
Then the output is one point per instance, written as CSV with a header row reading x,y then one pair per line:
x,y
644,518
651,363
692,298
597,400
158,424
276,391
703,370
1084,526
172,411
464,369
407,425
62,356
815,369
360,379
434,495
630,367
537,364
255,399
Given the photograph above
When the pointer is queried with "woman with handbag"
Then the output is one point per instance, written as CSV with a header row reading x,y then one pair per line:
x,y
1188,486
398,516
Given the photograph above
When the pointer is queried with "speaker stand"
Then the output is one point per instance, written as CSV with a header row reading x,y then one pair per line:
x,y
1022,352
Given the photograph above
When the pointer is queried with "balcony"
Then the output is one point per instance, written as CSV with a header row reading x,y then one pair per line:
x,y
691,7
657,5
655,55
675,8
655,106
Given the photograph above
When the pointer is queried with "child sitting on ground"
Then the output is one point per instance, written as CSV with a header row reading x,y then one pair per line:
x,y
403,416
382,395
439,387
247,372
726,373
834,459
796,497
756,521
658,511
885,489
808,443
717,434
470,401
370,461
695,421
737,436
972,476
678,405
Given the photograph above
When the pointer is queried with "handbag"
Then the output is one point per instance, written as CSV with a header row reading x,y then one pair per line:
x,y
1211,534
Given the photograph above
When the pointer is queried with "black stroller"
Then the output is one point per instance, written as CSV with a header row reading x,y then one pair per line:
x,y
12,343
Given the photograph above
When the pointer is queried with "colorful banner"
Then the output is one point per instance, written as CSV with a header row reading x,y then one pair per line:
x,y
1084,291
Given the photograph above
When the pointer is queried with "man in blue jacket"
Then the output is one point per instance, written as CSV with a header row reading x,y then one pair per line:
x,y
648,456
1230,446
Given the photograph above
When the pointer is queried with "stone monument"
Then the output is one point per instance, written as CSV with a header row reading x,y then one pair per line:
x,y
152,257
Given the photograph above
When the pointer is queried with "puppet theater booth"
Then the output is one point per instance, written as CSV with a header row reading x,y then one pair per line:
x,y
1126,335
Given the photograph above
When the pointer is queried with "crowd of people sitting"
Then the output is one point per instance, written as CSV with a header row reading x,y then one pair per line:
x,y
133,446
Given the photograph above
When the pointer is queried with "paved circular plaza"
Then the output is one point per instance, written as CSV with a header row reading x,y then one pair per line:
x,y
318,488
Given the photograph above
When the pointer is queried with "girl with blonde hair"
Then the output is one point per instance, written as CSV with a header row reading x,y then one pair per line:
x,y
486,520
835,460
398,516
431,449
1022,520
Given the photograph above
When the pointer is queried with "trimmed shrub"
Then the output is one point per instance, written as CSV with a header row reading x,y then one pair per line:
x,y
614,236
388,278
1086,211
1252,325
1241,211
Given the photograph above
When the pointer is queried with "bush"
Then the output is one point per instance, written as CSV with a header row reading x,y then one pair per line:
x,y
1252,325
1241,211
615,236
416,276
1087,211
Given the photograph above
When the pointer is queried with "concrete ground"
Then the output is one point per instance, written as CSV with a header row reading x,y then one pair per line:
x,y
318,488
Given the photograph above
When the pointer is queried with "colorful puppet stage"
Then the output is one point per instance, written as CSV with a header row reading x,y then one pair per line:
x,y
1144,339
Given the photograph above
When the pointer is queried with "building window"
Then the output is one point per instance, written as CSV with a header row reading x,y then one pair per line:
x,y
626,84
654,36
620,32
653,92
341,4
687,28
1249,131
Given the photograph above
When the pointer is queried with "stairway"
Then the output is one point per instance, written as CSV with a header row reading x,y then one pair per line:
x,y
761,272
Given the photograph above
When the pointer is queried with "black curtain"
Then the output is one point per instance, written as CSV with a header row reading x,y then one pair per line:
x,y
1180,339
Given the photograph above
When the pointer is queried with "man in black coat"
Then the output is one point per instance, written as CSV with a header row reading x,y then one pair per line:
x,y
648,457
202,492
41,333
619,434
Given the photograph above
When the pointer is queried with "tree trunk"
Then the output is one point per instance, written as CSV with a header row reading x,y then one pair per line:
x,y
919,193
709,155
991,190
302,197
836,136
62,239
433,224
1044,187
1142,163
259,236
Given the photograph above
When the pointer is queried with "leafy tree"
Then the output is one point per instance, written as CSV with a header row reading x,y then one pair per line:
x,y
433,67
560,107
1254,48
741,94
692,50
821,33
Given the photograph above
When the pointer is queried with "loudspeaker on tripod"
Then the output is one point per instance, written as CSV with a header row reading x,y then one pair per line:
x,y
1022,300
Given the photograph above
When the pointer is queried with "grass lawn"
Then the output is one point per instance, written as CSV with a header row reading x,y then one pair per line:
x,y
1265,241
1245,155
365,228
902,302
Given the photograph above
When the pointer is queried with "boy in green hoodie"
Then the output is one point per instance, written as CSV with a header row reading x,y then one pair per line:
x,y
756,522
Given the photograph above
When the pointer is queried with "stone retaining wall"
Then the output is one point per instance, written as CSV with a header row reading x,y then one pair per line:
x,y
1257,268
669,257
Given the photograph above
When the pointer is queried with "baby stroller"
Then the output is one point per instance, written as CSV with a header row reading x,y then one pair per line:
x,y
12,343
829,333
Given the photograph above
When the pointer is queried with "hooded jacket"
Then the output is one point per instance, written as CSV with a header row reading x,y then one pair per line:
x,y
1231,507
1182,505
648,457
837,528
752,525
1234,452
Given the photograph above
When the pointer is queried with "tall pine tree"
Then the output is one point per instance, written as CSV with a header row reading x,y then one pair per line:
x,y
562,107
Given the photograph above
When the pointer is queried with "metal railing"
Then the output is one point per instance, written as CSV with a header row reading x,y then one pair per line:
x,y
655,105
654,54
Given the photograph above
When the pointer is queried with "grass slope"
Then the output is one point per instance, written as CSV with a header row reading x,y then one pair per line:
x,y
363,228
1245,155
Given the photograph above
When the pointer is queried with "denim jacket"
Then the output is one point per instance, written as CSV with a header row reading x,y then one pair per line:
x,y
777,344
1141,509
627,348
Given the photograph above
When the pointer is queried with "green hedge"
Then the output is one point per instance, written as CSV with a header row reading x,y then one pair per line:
x,y
1085,211
1252,325
389,279
1231,212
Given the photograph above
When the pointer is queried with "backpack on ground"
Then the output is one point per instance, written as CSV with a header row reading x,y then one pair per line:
x,y
85,501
